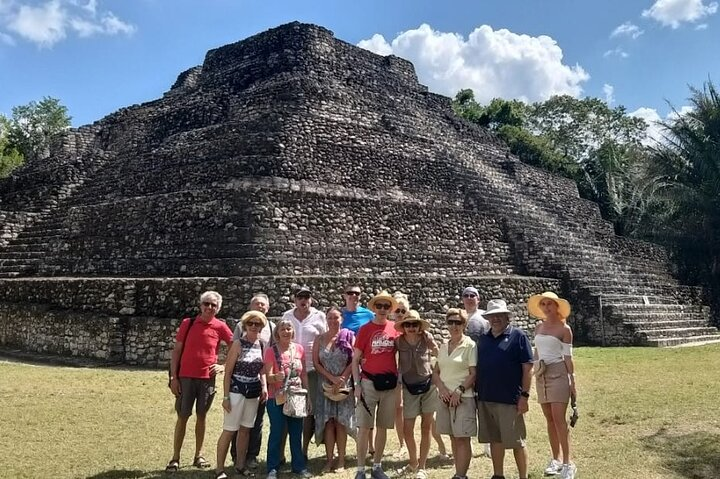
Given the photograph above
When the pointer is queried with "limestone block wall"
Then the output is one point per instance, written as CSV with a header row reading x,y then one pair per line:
x,y
134,321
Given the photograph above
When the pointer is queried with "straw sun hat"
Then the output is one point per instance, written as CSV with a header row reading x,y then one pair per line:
x,y
412,316
333,395
383,296
534,309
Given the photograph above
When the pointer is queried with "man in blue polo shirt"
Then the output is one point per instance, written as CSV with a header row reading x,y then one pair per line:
x,y
504,372
354,315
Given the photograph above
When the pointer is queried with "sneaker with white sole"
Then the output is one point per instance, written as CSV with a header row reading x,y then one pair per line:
x,y
568,471
553,468
360,475
305,474
272,474
421,474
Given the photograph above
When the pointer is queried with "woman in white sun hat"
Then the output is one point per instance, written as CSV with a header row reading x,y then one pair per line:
x,y
555,375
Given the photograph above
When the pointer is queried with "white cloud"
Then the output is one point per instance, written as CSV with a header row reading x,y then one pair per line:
x,y
609,92
701,26
652,118
43,25
627,29
674,12
52,21
619,52
494,63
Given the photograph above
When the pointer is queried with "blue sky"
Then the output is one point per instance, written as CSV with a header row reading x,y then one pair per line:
x,y
100,55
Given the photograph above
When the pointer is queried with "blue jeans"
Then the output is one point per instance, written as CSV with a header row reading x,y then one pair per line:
x,y
278,421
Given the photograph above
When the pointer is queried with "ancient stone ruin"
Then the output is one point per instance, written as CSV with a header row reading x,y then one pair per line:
x,y
293,157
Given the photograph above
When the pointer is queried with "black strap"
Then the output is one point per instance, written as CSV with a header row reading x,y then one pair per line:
x,y
192,321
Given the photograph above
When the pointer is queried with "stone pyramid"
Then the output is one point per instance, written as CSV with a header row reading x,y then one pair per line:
x,y
290,158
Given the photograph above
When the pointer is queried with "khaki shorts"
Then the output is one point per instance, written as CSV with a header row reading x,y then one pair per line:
x,y
242,412
199,392
415,405
501,424
460,421
383,401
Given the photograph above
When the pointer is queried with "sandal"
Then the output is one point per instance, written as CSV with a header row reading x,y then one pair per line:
x,y
221,475
173,465
201,463
245,472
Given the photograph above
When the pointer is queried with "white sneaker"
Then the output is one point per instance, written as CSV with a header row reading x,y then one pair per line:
x,y
568,471
486,450
553,468
272,474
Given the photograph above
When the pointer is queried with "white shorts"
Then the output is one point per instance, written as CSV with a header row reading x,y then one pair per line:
x,y
242,412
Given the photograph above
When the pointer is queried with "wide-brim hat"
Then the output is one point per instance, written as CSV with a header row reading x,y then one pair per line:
x,y
382,296
533,305
254,314
333,395
411,317
495,306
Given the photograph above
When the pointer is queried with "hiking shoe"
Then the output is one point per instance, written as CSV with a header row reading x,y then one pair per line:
x,y
305,473
553,468
251,464
568,471
378,473
272,474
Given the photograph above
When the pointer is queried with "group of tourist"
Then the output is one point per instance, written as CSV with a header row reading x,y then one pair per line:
x,y
357,372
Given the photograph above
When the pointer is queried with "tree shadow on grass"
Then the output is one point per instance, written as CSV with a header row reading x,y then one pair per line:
x,y
695,455
161,474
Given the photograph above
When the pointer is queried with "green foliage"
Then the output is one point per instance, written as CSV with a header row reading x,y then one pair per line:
x,y
33,127
686,172
10,158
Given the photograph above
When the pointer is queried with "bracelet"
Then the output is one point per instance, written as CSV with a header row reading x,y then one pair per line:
x,y
226,398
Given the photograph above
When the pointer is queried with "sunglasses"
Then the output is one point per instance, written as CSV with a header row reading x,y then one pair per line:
x,y
401,310
302,296
454,322
470,295
253,324
411,324
208,304
382,305
352,293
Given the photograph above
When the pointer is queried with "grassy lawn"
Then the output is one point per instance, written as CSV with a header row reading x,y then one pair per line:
x,y
643,413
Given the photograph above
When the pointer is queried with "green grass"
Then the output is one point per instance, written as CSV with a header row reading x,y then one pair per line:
x,y
643,413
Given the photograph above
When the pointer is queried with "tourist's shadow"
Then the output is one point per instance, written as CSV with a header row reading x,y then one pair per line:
x,y
161,474
695,455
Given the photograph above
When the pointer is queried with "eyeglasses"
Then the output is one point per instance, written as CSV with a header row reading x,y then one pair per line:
x,y
411,324
253,324
382,305
454,322
469,295
401,311
352,293
208,304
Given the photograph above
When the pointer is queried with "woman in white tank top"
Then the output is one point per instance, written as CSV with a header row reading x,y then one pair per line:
x,y
555,375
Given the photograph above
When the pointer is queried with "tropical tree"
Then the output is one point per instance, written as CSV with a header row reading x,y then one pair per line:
x,y
10,158
33,127
686,171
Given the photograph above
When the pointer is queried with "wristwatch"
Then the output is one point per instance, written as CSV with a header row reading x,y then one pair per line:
x,y
461,388
525,394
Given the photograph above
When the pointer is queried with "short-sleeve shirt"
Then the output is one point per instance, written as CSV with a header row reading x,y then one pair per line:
x,y
477,325
500,365
354,320
414,361
201,345
377,343
455,366
292,369
306,331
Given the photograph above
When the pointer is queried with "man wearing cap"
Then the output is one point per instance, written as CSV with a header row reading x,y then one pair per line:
x,y
309,323
259,302
375,387
476,325
354,315
504,371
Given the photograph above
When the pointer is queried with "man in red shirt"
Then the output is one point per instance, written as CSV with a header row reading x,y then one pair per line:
x,y
193,369
375,386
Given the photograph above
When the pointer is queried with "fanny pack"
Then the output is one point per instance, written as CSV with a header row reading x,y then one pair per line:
x,y
384,381
419,388
249,390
